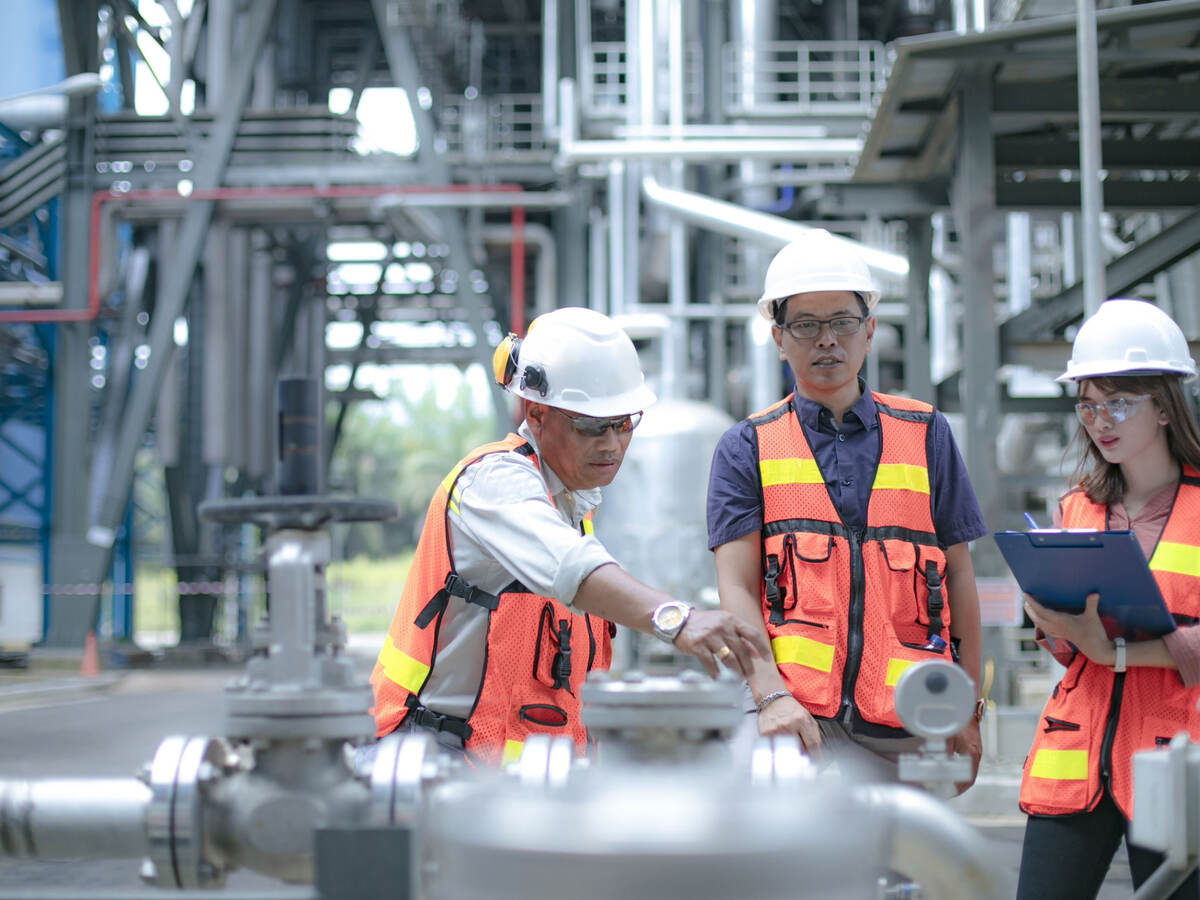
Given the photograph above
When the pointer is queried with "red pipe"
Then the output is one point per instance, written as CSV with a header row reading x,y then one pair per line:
x,y
162,195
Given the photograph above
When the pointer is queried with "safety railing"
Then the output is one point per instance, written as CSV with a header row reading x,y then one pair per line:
x,y
604,84
504,127
786,78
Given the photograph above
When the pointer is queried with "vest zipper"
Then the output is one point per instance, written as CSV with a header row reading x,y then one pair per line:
x,y
854,639
1110,730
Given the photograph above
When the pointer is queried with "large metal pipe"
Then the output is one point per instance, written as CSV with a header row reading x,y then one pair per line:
x,y
928,842
711,149
762,228
63,818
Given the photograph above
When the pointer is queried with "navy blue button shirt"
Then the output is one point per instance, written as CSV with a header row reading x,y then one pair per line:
x,y
847,458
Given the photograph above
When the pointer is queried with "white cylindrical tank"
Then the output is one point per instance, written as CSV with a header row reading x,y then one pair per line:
x,y
653,515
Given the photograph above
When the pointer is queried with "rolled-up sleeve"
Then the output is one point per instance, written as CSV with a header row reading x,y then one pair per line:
x,y
504,511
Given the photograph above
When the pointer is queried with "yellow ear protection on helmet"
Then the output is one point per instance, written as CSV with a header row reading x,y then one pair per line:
x,y
505,363
504,360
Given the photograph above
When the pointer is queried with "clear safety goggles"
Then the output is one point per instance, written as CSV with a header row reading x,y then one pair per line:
x,y
592,426
1115,410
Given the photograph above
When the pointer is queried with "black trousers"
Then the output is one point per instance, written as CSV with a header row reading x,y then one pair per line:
x,y
1067,857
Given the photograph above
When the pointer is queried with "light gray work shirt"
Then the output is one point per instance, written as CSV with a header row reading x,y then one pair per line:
x,y
507,530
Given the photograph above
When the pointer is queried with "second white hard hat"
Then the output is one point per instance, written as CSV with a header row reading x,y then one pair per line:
x,y
575,359
1124,337
817,261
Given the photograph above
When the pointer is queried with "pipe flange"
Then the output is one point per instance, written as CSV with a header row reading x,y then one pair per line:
x,y
545,761
175,815
406,761
779,761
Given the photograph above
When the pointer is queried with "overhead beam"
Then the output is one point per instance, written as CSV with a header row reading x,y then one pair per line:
x,y
1057,152
1142,99
1144,261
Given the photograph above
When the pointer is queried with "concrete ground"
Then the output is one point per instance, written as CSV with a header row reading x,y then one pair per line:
x,y
55,723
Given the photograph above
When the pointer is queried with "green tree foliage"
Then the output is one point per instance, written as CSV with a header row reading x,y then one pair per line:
x,y
399,451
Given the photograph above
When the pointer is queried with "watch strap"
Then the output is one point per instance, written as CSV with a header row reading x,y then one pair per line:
x,y
1119,662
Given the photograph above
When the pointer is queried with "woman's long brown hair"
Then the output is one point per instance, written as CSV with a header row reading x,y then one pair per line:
x,y
1101,480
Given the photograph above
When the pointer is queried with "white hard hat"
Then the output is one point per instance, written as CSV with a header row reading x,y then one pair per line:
x,y
576,359
818,261
1124,337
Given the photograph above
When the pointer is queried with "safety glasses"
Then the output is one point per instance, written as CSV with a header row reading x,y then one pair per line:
x,y
591,426
808,329
1115,410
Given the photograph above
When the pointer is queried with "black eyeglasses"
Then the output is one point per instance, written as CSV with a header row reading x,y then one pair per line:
x,y
1115,410
809,329
591,426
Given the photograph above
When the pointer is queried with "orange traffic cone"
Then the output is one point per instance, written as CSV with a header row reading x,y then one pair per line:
x,y
90,667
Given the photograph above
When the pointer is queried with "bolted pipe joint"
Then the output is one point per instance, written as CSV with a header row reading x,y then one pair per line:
x,y
265,818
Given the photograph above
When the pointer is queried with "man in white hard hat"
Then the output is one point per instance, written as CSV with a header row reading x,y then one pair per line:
x,y
840,519
511,600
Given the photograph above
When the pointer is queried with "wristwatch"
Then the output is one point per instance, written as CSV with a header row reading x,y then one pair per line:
x,y
1119,662
980,709
669,618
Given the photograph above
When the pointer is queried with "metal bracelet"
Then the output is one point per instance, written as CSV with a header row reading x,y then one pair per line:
x,y
770,698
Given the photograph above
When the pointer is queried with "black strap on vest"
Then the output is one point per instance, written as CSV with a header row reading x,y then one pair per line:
x,y
427,718
935,603
774,599
560,666
455,587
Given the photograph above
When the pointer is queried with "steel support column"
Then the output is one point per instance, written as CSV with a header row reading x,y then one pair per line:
x,y
70,616
402,61
211,160
918,375
973,201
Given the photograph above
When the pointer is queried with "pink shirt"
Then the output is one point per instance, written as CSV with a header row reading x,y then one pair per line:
x,y
1183,643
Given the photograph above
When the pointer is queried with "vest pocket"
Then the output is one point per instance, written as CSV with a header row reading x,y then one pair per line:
x,y
537,710
913,576
806,586
806,655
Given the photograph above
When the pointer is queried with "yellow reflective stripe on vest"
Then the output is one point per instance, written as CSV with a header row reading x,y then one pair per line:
x,y
588,527
895,669
451,488
789,471
1180,559
512,750
401,668
1060,765
803,652
901,477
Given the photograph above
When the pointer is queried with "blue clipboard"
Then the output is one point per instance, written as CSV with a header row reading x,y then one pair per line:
x,y
1060,568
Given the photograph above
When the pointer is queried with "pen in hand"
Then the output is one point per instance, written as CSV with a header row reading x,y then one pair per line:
x,y
1029,521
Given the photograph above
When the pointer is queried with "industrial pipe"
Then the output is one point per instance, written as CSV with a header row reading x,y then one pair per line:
x,y
452,195
545,266
63,818
929,843
749,224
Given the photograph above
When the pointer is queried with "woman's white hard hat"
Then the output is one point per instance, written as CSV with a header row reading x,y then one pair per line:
x,y
817,261
1126,337
580,360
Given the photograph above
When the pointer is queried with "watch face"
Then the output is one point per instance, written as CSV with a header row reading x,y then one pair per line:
x,y
670,618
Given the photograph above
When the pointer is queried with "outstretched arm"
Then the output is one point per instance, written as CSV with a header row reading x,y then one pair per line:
x,y
612,593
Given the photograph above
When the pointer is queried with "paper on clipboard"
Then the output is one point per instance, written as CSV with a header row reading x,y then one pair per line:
x,y
1059,568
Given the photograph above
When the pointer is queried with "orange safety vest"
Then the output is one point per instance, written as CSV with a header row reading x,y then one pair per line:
x,y
538,650
847,610
1096,719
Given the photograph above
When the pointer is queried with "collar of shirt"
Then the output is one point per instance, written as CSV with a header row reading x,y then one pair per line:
x,y
815,417
573,504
